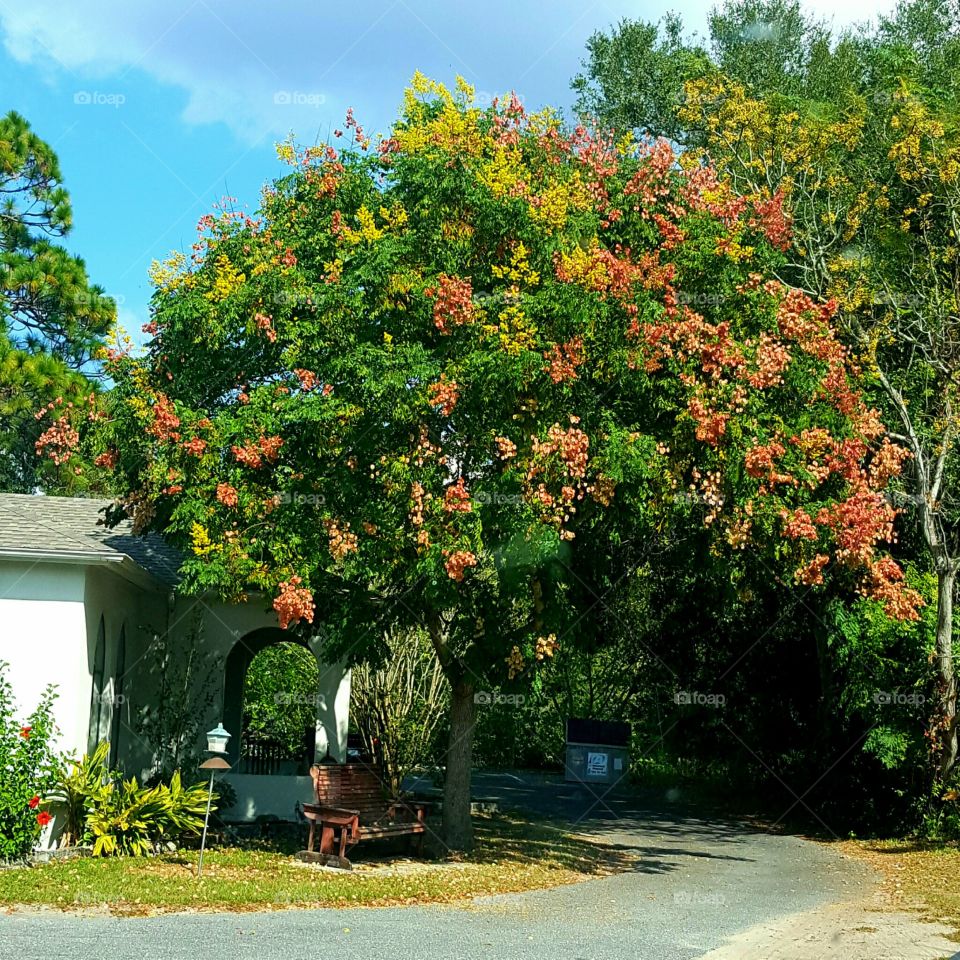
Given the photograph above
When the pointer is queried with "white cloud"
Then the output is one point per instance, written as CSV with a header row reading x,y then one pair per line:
x,y
266,68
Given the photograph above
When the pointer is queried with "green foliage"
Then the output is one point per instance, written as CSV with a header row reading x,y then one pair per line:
x,y
128,819
857,130
52,320
82,787
120,817
280,695
398,703
27,770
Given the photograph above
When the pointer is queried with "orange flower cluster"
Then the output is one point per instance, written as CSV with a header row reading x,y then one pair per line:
x,y
652,181
444,394
771,217
563,360
327,175
772,358
254,454
308,379
107,459
418,496
798,525
165,420
342,541
227,495
58,441
458,562
883,582
294,603
811,573
456,499
572,445
195,446
506,448
265,324
453,302
759,460
704,192
711,424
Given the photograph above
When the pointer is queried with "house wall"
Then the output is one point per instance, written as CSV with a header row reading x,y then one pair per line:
x,y
43,637
267,797
134,614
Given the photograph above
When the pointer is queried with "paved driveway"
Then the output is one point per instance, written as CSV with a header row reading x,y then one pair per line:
x,y
701,882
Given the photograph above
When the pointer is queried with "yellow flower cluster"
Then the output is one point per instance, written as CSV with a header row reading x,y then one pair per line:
x,y
503,174
552,207
922,150
226,280
393,218
455,128
518,272
515,330
515,663
200,540
584,268
167,275
766,136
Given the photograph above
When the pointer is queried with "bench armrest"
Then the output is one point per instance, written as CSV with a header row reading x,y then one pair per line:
x,y
336,815
418,807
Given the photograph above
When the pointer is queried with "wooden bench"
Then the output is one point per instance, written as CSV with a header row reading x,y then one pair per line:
x,y
351,805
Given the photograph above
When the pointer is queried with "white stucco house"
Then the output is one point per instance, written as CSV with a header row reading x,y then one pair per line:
x,y
81,607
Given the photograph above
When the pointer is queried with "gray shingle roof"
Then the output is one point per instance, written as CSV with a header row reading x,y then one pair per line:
x,y
67,526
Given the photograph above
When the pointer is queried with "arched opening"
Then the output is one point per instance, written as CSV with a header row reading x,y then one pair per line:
x,y
271,704
280,711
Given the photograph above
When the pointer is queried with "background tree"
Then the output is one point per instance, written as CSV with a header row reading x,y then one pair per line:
x,y
53,320
857,134
280,696
445,382
398,705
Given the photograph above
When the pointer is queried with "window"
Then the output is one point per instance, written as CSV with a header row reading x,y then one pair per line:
x,y
96,691
118,698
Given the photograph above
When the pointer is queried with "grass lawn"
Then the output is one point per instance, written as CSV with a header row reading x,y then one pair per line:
x,y
915,873
511,855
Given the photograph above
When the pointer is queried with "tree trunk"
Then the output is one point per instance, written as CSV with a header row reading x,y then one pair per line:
x,y
945,718
457,826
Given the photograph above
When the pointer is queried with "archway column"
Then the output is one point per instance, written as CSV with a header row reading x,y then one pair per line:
x,y
333,711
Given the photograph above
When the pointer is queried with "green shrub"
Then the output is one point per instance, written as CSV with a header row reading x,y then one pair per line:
x,y
80,789
131,820
120,816
27,770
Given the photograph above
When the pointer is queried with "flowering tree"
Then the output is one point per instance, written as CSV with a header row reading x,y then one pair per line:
x,y
857,134
404,389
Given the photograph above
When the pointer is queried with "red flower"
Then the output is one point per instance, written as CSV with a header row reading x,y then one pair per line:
x,y
43,818
33,802
25,732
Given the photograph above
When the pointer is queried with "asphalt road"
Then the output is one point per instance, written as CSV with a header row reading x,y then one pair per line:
x,y
699,880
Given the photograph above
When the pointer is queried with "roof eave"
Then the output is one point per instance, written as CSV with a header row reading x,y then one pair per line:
x,y
125,566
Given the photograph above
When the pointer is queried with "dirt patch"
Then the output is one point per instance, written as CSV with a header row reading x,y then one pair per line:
x,y
868,929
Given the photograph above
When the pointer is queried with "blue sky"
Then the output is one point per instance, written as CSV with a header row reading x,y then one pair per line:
x,y
158,109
